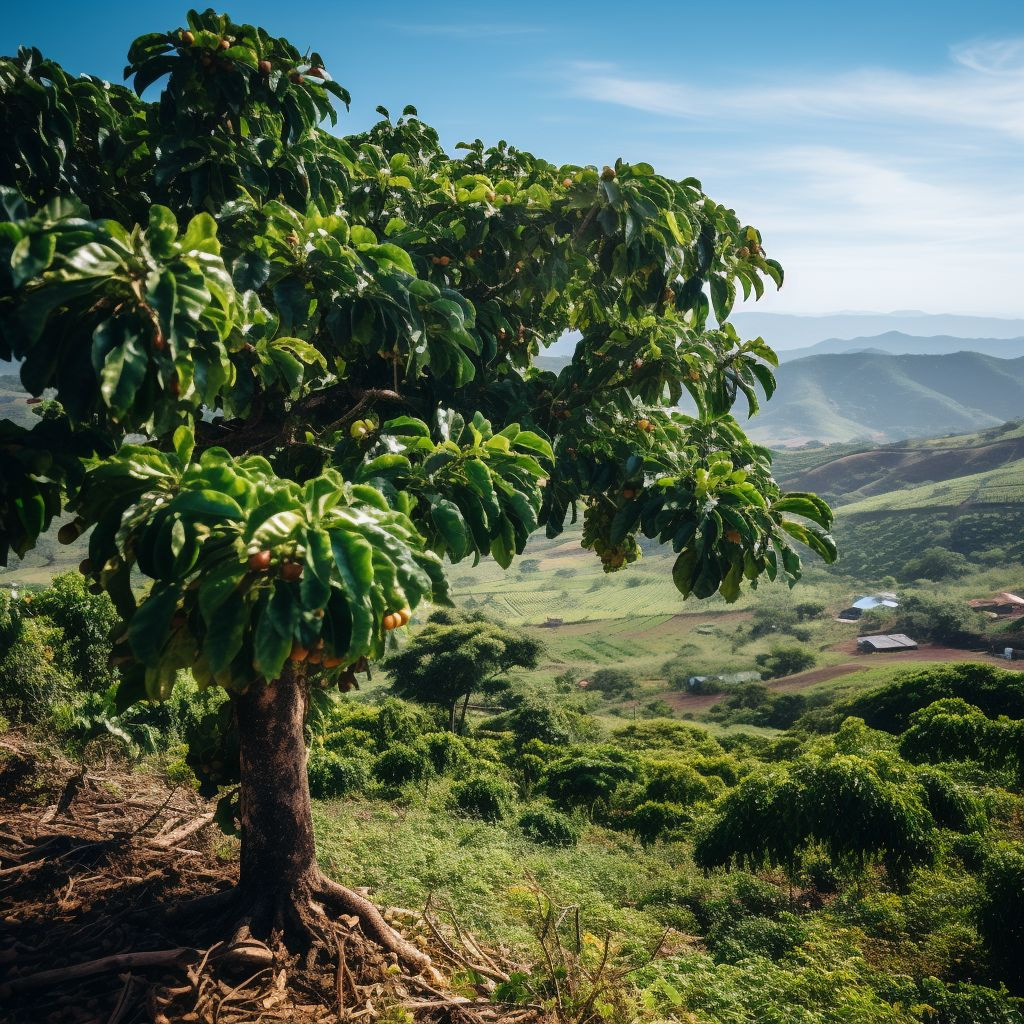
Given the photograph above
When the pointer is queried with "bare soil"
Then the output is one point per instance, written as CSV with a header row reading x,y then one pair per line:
x,y
95,864
683,702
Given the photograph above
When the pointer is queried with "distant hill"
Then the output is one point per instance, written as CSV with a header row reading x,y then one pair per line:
x,y
897,343
787,330
879,397
847,474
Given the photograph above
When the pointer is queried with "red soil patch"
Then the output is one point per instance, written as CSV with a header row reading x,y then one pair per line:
x,y
792,684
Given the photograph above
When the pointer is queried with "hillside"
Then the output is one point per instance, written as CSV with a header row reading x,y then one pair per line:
x,y
897,343
888,397
848,473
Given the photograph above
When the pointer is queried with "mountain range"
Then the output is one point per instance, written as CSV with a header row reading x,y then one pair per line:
x,y
881,397
786,330
898,343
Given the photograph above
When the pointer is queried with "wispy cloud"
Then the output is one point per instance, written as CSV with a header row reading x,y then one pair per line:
x,y
876,188
983,88
467,30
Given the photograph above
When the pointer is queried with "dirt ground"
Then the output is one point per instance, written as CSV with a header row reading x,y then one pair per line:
x,y
686,703
96,864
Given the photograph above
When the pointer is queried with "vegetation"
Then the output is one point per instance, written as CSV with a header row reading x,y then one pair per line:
x,y
457,655
326,344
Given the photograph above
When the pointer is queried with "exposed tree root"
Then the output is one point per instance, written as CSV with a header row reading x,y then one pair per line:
x,y
110,926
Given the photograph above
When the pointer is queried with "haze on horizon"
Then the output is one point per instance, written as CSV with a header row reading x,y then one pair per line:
x,y
879,150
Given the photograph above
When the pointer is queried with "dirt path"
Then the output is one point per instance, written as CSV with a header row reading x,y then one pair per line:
x,y
793,684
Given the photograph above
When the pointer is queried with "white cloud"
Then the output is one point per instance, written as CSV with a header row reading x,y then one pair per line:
x,y
875,188
982,89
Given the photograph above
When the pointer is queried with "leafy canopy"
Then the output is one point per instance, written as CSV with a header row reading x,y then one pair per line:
x,y
290,372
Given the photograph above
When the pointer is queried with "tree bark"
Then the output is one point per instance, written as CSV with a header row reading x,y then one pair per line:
x,y
278,857
462,717
281,890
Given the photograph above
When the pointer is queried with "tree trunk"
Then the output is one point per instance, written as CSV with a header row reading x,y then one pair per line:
x,y
451,716
462,717
278,860
281,892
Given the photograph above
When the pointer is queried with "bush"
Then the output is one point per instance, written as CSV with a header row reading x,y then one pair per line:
x,y
613,683
757,936
653,820
937,564
785,660
331,775
1001,914
549,827
679,783
484,797
401,765
32,683
85,621
447,752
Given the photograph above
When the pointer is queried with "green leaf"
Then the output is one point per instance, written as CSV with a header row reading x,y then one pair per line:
x,y
447,518
251,271
162,230
225,632
273,639
151,623
31,256
810,506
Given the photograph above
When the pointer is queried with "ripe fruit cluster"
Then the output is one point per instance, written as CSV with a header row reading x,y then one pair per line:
x,y
645,425
395,619
440,261
261,560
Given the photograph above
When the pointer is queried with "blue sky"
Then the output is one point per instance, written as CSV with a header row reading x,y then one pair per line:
x,y
879,146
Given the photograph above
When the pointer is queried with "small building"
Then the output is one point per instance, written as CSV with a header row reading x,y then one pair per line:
x,y
869,601
1000,604
885,642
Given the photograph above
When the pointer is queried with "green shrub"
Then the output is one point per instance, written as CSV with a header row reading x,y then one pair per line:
x,y
679,783
1001,914
331,775
483,796
400,765
785,660
613,683
549,827
771,937
32,681
654,820
447,752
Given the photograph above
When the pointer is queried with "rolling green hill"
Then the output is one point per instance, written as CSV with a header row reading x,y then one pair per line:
x,y
881,397
848,473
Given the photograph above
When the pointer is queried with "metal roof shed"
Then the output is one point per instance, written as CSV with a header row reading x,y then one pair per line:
x,y
890,642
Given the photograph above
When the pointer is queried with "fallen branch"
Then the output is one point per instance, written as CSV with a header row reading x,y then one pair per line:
x,y
165,842
116,963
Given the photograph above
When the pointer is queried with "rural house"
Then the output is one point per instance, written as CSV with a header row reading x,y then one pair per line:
x,y
867,602
999,604
885,642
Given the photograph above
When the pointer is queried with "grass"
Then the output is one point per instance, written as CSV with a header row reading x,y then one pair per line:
x,y
414,847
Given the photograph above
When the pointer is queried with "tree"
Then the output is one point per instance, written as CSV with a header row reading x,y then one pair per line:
x,y
859,808
613,683
935,563
785,660
326,346
457,655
